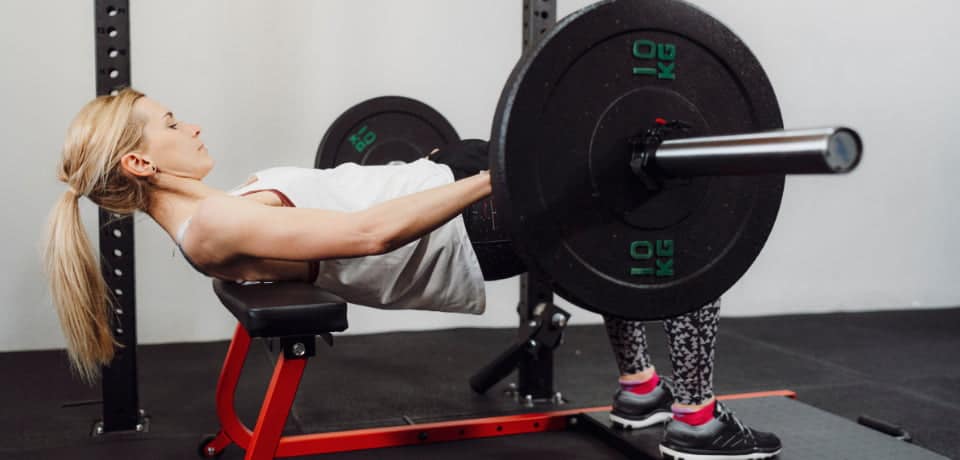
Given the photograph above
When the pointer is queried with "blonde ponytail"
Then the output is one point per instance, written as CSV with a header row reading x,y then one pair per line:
x,y
78,288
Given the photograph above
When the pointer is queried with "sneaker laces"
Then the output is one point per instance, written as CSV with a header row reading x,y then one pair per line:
x,y
727,414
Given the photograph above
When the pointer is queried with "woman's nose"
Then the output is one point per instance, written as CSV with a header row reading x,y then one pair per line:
x,y
196,130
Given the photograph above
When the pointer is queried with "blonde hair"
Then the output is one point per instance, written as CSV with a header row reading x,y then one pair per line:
x,y
103,131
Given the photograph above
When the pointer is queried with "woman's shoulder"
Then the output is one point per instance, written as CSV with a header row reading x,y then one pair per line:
x,y
218,222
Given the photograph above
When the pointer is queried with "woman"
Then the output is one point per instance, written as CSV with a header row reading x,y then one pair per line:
x,y
383,236
128,153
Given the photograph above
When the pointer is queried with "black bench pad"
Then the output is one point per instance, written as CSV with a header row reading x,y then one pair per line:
x,y
283,309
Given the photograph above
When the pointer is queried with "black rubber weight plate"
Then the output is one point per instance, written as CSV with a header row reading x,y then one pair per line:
x,y
560,158
384,129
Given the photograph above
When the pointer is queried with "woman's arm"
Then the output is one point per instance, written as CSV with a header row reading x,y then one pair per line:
x,y
407,218
234,226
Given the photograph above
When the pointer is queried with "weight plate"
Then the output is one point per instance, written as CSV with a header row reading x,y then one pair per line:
x,y
384,129
560,158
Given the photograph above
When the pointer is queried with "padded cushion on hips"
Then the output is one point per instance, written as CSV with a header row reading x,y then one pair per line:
x,y
283,308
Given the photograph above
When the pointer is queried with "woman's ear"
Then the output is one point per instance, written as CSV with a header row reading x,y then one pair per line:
x,y
135,164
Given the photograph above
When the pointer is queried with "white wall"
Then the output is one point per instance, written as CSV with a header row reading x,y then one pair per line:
x,y
265,79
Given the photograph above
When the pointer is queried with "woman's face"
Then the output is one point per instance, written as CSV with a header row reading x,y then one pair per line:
x,y
172,146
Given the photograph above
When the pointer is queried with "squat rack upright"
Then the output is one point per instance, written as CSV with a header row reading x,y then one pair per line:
x,y
121,399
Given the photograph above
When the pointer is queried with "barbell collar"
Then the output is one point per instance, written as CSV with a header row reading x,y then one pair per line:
x,y
801,151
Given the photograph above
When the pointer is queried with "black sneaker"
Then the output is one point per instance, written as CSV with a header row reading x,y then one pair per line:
x,y
723,438
631,410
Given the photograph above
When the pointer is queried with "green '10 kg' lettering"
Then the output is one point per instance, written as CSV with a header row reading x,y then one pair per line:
x,y
659,252
664,54
362,139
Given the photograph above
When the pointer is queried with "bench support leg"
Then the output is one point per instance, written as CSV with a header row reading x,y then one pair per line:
x,y
276,408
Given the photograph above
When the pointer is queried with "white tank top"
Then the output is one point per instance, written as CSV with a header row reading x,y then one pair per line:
x,y
438,271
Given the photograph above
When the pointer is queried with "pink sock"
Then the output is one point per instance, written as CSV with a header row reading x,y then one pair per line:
x,y
640,388
695,417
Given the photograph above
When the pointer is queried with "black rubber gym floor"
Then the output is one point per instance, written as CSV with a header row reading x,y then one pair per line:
x,y
902,367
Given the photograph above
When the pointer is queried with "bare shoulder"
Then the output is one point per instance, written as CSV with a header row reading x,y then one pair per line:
x,y
215,223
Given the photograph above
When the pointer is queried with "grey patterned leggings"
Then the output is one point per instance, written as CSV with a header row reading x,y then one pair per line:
x,y
692,339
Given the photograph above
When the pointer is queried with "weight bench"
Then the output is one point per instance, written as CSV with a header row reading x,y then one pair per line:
x,y
294,313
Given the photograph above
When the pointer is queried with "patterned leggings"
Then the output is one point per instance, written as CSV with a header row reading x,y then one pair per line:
x,y
692,339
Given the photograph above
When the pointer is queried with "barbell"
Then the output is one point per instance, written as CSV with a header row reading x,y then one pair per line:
x,y
637,157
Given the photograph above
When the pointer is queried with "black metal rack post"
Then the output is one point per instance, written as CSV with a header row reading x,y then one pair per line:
x,y
535,371
538,17
119,381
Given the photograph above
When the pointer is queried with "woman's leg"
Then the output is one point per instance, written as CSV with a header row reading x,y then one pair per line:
x,y
701,426
629,342
642,399
692,338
